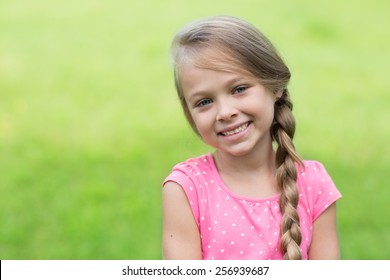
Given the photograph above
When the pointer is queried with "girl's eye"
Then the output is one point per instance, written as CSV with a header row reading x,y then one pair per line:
x,y
240,89
203,102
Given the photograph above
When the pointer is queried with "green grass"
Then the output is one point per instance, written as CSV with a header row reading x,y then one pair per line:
x,y
90,124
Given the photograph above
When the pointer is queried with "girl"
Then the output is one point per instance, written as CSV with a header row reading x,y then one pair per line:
x,y
253,198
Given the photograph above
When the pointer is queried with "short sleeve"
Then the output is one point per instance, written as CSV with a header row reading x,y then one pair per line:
x,y
179,177
319,188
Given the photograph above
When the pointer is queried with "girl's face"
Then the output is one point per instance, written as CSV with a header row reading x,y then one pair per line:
x,y
232,112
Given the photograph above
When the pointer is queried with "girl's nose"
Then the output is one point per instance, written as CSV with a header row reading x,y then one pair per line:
x,y
226,110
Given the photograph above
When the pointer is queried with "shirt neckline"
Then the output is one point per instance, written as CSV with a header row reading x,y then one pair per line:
x,y
215,171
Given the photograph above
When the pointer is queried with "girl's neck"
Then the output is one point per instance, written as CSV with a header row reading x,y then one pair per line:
x,y
251,175
253,162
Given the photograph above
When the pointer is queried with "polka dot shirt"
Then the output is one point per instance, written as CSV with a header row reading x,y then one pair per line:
x,y
237,227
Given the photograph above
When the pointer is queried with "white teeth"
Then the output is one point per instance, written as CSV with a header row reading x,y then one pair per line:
x,y
235,131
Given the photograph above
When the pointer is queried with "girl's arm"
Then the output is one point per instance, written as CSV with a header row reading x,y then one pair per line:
x,y
325,245
181,238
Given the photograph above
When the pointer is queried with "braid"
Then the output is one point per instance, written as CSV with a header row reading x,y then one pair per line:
x,y
283,130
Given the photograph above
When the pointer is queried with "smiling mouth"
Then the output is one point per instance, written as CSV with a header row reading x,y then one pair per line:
x,y
236,130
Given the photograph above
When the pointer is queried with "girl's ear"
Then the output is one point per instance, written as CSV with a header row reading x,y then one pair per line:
x,y
278,94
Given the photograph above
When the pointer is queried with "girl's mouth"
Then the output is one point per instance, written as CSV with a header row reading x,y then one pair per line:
x,y
235,131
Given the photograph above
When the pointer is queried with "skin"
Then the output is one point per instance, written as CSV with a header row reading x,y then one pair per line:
x,y
220,103
181,239
324,244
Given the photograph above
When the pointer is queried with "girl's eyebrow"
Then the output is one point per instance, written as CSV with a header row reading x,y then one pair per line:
x,y
227,83
198,94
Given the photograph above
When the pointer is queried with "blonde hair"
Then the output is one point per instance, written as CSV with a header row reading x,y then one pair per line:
x,y
231,44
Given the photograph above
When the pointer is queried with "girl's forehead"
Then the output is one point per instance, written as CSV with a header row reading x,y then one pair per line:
x,y
220,70
192,73
209,56
213,59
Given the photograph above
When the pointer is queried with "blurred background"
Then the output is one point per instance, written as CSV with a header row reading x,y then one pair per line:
x,y
90,124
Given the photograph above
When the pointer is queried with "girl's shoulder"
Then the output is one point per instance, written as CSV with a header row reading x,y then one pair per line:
x,y
193,176
313,173
316,187
193,170
311,167
193,166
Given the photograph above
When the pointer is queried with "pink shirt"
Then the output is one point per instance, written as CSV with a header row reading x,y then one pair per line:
x,y
236,227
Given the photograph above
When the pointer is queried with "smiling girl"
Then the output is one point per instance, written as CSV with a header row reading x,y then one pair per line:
x,y
247,199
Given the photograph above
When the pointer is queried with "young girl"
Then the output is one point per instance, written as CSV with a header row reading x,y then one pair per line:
x,y
253,198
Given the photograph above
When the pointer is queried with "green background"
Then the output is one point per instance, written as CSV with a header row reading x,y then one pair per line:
x,y
90,124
